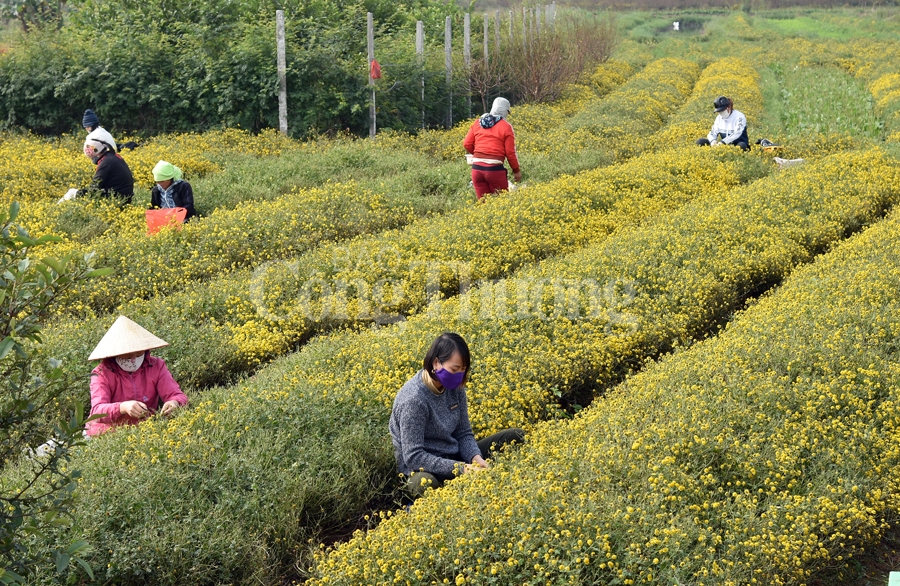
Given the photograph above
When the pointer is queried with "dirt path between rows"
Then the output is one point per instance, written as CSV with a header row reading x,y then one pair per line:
x,y
871,569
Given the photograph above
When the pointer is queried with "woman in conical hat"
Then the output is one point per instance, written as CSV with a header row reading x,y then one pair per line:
x,y
128,385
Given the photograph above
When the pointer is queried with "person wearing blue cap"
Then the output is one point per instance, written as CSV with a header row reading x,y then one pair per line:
x,y
96,132
730,126
90,120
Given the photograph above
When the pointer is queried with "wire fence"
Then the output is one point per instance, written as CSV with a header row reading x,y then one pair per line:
x,y
503,36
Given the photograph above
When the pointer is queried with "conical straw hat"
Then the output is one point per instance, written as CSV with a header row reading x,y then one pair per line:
x,y
125,337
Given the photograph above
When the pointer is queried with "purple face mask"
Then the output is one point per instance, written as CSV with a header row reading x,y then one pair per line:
x,y
449,380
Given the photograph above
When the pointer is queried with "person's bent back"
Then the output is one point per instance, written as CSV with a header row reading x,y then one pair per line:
x,y
490,141
113,177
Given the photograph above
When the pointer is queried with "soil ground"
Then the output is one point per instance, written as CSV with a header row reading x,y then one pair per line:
x,y
871,569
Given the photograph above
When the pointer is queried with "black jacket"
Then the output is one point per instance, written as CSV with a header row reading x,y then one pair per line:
x,y
113,178
181,193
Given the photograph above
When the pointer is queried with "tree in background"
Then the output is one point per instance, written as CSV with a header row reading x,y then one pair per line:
x,y
38,500
192,65
534,66
33,13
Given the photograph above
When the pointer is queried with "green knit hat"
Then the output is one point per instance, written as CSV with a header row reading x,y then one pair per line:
x,y
164,171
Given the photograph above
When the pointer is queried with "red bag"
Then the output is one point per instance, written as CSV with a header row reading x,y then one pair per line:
x,y
158,219
375,70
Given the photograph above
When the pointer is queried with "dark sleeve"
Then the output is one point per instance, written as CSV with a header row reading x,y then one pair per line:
x,y
184,198
99,181
154,197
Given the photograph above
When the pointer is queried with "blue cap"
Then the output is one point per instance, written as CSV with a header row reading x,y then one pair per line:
x,y
90,119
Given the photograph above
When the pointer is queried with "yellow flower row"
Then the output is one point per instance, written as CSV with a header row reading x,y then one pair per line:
x,y
530,120
876,63
249,317
623,125
284,429
226,241
732,77
757,457
579,322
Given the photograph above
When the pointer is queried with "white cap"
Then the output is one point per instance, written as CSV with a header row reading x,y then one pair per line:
x,y
500,108
125,337
99,137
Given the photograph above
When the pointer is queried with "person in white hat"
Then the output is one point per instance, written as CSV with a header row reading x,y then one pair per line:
x,y
129,384
489,142
112,177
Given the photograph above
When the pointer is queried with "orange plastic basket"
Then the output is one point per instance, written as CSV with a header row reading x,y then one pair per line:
x,y
158,219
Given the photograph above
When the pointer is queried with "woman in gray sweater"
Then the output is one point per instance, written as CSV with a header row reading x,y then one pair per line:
x,y
430,429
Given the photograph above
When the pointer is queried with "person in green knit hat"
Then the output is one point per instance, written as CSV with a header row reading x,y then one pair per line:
x,y
171,190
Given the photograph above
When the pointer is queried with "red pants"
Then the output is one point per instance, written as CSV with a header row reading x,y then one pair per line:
x,y
489,181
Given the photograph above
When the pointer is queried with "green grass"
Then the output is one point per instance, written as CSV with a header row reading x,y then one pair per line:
x,y
652,27
770,124
767,26
820,100
248,178
806,26
842,24
809,99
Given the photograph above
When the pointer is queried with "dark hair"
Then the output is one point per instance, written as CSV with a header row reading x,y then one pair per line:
x,y
723,102
443,348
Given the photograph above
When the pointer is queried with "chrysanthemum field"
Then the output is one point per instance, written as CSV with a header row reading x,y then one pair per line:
x,y
703,347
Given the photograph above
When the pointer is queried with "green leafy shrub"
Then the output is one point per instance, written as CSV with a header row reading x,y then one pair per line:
x,y
37,497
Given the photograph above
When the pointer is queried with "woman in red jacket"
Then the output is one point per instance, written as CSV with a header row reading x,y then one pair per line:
x,y
490,140
129,384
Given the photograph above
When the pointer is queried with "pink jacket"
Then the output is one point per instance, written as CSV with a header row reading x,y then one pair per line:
x,y
151,384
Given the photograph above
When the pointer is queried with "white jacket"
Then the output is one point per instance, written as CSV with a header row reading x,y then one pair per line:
x,y
733,127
